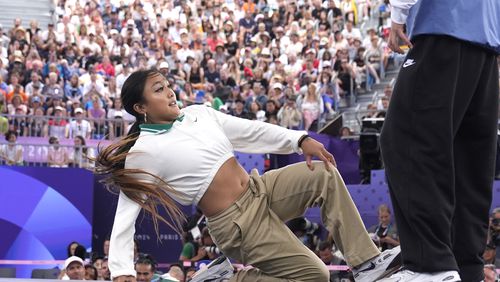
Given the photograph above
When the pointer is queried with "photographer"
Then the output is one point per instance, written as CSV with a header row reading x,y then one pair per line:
x,y
385,234
207,249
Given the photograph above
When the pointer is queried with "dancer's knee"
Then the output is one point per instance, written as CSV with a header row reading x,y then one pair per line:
x,y
322,275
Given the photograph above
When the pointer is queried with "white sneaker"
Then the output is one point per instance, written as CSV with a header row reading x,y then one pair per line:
x,y
407,276
382,265
218,270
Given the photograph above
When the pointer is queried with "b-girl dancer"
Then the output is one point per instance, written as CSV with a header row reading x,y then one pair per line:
x,y
186,156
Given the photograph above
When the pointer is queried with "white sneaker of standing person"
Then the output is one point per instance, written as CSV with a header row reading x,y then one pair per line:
x,y
410,276
217,271
380,266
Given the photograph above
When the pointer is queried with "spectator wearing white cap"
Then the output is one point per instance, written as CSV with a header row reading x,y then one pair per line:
x,y
163,67
130,30
74,268
277,93
79,126
91,43
57,125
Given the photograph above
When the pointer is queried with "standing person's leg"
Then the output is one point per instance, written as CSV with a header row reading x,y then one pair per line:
x,y
417,148
294,188
475,130
416,144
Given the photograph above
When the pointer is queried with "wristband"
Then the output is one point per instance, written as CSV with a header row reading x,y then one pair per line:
x,y
304,137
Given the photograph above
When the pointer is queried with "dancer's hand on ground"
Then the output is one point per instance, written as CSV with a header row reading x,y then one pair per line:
x,y
397,34
125,279
312,148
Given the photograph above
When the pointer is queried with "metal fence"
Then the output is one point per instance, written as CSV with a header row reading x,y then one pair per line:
x,y
66,127
353,118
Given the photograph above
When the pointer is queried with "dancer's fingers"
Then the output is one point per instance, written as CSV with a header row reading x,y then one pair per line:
x,y
309,162
330,157
322,156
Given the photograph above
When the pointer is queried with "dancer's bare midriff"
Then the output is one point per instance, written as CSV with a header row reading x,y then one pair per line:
x,y
230,182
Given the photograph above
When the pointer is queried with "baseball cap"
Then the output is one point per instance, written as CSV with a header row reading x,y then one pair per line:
x,y
327,64
59,108
278,85
130,22
163,65
78,110
71,260
183,31
36,99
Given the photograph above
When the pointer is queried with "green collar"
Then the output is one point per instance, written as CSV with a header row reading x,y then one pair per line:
x,y
159,128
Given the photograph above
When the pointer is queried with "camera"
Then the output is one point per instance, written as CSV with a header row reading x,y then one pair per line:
x,y
303,224
213,249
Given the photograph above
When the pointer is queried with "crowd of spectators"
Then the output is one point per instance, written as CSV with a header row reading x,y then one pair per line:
x,y
94,265
285,62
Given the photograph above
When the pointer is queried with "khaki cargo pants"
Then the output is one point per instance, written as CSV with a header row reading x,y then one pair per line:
x,y
253,231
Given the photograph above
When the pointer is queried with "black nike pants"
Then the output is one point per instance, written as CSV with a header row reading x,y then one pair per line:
x,y
439,145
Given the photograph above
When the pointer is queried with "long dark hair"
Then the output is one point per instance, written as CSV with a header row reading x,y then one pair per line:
x,y
69,248
110,162
84,144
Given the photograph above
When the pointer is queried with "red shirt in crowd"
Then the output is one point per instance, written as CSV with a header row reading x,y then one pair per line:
x,y
107,69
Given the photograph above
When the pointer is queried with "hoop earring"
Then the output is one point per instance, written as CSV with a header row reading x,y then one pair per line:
x,y
145,118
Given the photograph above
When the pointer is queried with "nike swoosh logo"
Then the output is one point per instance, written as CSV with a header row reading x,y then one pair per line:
x,y
196,119
408,63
